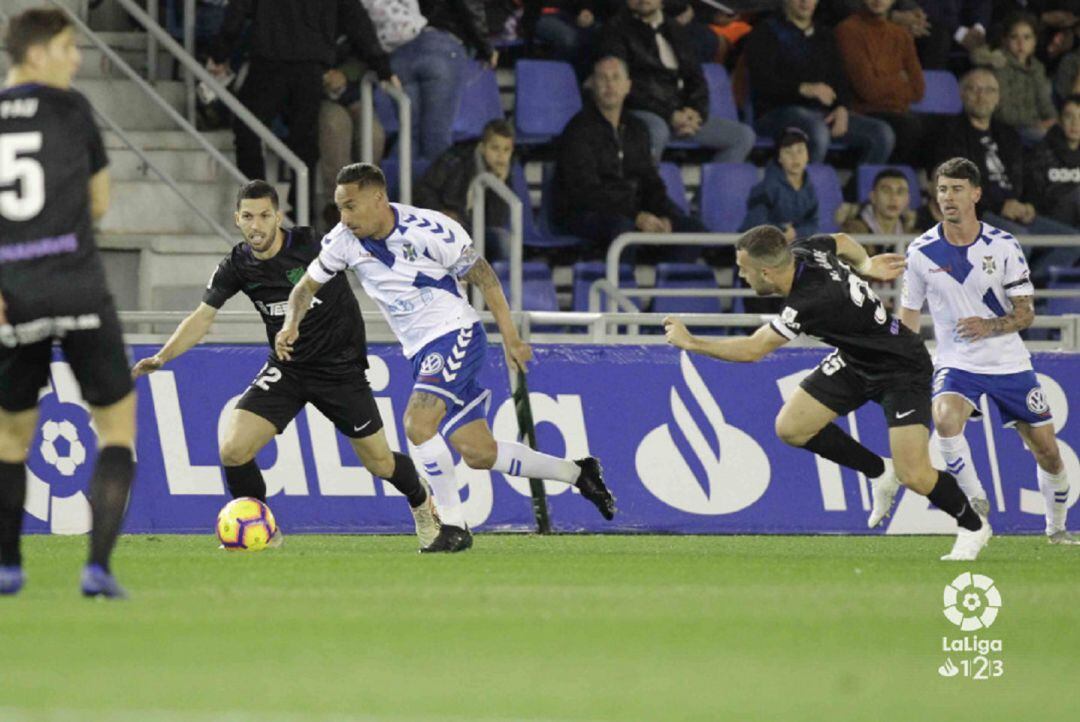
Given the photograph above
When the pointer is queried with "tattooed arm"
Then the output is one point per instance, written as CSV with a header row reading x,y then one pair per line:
x,y
482,275
299,302
974,328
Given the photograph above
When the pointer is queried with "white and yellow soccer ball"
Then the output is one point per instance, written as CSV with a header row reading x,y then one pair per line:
x,y
246,524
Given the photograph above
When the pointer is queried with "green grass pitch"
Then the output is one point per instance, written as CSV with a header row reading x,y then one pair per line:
x,y
527,628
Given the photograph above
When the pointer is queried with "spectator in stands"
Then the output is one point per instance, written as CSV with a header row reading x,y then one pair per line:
x,y
293,43
797,79
885,74
668,90
445,185
606,180
994,147
1056,23
1053,171
428,42
1025,89
566,28
786,197
888,211
940,26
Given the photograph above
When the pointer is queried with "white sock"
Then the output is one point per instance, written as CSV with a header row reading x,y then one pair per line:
x,y
957,455
519,460
434,463
1055,491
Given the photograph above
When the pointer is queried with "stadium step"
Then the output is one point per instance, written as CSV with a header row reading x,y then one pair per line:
x,y
167,140
147,206
128,106
183,165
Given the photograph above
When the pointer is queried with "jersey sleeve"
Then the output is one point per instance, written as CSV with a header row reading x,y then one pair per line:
x,y
793,318
95,146
450,245
338,253
913,294
1017,280
223,285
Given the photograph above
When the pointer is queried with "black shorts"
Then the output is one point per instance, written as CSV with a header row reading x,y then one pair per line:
x,y
93,346
904,397
342,394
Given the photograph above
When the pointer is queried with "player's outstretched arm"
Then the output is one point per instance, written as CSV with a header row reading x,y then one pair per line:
x,y
1022,315
882,267
518,352
190,331
748,348
300,299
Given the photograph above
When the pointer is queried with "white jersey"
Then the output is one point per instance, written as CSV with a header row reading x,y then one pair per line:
x,y
412,274
961,282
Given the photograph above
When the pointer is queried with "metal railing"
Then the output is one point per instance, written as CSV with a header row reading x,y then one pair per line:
x,y
188,62
404,144
478,196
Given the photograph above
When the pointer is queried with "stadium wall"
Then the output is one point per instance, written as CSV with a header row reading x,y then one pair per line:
x,y
687,445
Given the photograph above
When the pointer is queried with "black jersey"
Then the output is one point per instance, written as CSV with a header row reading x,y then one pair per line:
x,y
332,332
50,147
831,302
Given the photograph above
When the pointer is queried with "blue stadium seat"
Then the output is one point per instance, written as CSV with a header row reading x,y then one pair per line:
x,y
1063,277
864,181
721,99
725,188
391,168
546,98
685,275
829,195
548,237
676,190
479,104
585,272
537,285
942,96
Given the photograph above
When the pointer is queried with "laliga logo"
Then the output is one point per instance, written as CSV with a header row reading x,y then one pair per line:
x,y
972,601
736,476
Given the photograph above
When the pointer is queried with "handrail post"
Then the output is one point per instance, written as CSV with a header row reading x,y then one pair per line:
x,y
189,46
477,192
405,149
151,42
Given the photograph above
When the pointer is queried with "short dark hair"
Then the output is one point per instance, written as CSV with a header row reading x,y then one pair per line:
x,y
33,27
766,245
790,136
257,189
1019,18
362,174
887,173
1073,99
959,168
500,127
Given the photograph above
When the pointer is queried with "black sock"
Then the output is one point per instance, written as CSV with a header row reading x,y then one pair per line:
x,y
109,489
947,496
246,480
833,444
405,480
12,498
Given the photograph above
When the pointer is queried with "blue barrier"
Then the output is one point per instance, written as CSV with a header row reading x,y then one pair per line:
x,y
687,444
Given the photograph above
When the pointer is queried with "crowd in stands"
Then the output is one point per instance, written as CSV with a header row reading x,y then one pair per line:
x,y
860,84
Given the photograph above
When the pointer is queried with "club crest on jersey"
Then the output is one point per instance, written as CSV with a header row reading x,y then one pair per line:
x,y
295,274
1036,402
410,252
989,265
787,316
431,365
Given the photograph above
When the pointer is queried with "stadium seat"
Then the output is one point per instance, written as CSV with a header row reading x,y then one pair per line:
x,y
391,168
864,181
829,195
548,237
1063,277
725,188
546,98
942,96
585,272
537,285
685,275
479,104
676,190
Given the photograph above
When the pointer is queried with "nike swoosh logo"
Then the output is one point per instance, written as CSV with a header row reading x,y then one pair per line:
x,y
906,413
362,426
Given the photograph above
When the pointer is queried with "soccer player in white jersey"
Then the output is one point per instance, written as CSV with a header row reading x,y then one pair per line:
x,y
412,262
976,282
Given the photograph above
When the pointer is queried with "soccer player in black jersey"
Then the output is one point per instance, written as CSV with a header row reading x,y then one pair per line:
x,y
877,358
327,369
53,181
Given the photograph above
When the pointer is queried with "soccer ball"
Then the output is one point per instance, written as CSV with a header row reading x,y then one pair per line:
x,y
246,524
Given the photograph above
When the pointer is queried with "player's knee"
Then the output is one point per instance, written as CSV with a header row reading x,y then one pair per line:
x,y
919,479
479,455
382,466
235,454
1048,457
789,433
419,429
